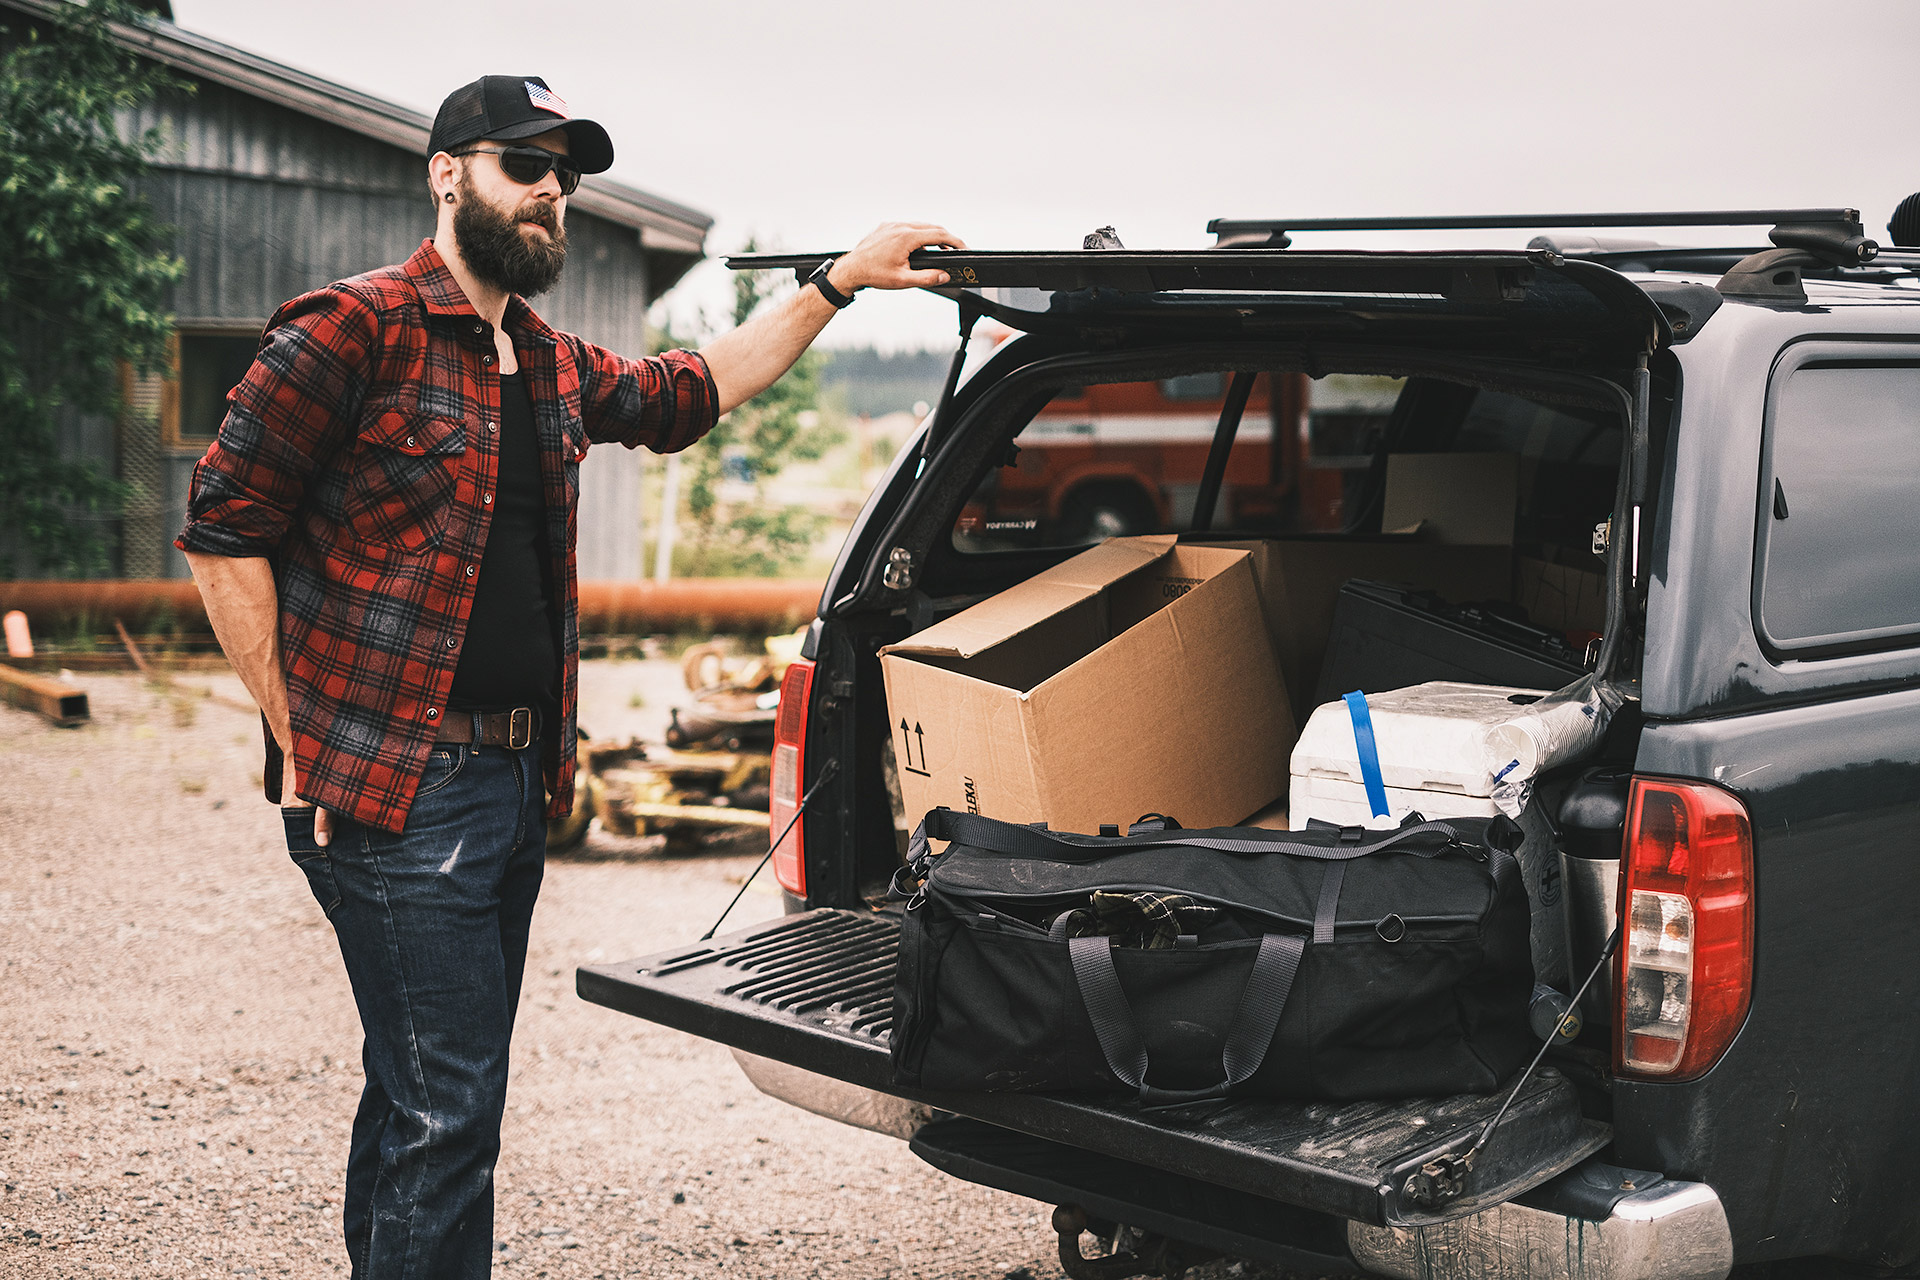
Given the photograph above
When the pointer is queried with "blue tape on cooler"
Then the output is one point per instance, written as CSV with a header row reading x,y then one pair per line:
x,y
1369,754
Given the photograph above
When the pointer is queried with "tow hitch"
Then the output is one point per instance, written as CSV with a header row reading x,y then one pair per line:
x,y
1146,1254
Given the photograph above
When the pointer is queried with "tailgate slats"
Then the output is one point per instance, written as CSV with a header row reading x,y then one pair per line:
x,y
816,990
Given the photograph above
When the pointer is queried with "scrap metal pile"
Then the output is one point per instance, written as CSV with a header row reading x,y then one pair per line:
x,y
706,786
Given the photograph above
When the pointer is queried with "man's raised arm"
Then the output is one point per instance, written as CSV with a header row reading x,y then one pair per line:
x,y
750,359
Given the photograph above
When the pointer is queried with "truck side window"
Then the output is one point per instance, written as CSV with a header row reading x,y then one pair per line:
x,y
1839,515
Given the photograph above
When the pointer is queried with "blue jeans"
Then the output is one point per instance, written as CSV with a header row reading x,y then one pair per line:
x,y
432,925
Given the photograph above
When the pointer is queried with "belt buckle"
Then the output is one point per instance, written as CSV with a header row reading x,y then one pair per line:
x,y
517,739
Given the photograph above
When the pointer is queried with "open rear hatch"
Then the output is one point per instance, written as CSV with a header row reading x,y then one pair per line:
x,y
1487,302
815,990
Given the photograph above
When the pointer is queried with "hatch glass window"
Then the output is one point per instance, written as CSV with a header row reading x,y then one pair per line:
x,y
1126,458
1359,456
1840,509
1567,469
1118,459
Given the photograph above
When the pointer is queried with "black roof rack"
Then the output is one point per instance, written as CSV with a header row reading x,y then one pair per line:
x,y
1803,238
1246,233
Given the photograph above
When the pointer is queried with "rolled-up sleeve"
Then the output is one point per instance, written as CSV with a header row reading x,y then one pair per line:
x,y
292,411
665,402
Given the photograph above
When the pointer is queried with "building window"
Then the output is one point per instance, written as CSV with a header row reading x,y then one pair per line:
x,y
207,362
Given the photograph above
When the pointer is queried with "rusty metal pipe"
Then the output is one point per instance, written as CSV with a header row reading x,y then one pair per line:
x,y
611,607
698,604
141,603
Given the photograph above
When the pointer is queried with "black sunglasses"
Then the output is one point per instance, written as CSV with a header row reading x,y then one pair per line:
x,y
527,165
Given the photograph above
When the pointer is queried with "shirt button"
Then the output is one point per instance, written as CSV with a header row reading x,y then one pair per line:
x,y
487,498
479,328
433,713
469,571
409,442
486,360
493,426
450,642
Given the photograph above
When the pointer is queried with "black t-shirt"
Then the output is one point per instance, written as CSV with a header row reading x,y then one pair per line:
x,y
511,657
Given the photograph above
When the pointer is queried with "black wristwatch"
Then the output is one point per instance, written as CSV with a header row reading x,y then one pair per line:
x,y
841,301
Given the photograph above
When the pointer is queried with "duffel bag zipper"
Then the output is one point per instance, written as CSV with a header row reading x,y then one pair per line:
x,y
1001,919
962,905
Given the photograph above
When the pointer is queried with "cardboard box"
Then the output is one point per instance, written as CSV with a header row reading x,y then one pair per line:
x,y
1556,596
1137,677
1458,499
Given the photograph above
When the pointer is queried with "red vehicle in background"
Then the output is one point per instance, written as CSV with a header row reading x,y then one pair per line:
x,y
1127,458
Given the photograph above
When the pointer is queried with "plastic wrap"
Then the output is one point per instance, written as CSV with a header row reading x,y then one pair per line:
x,y
1560,728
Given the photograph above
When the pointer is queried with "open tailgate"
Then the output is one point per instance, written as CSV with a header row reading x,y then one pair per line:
x,y
815,990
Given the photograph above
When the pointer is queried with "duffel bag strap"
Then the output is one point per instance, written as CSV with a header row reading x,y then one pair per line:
x,y
1326,912
1248,1039
1032,842
1503,840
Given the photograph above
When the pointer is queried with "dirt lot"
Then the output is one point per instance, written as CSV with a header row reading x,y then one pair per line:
x,y
179,1052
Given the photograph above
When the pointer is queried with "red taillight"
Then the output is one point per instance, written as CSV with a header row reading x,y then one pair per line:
x,y
1685,974
789,768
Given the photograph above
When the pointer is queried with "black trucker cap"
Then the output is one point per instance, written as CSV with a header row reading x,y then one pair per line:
x,y
511,107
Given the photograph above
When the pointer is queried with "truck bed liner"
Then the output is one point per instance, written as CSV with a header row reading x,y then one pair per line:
x,y
816,990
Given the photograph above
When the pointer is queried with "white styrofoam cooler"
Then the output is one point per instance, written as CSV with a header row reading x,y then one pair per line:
x,y
1434,761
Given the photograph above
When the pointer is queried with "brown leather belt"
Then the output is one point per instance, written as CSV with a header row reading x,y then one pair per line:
x,y
516,728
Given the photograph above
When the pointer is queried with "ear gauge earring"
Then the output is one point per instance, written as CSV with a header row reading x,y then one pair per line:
x,y
448,197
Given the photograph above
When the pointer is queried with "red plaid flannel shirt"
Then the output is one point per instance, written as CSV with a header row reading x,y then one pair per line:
x,y
360,454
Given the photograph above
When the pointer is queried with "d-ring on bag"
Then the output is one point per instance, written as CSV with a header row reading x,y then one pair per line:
x,y
1332,964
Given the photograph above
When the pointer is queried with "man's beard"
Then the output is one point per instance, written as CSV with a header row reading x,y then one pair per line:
x,y
499,253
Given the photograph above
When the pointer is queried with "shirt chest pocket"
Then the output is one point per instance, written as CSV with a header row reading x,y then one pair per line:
x,y
405,467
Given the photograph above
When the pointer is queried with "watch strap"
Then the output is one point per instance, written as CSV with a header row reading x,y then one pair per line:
x,y
840,301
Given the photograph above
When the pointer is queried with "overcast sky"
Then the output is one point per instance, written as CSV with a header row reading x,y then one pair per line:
x,y
1025,125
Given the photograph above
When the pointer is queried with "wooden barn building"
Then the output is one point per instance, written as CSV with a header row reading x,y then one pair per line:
x,y
277,182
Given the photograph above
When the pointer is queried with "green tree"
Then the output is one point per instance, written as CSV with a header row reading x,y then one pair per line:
x,y
780,426
84,270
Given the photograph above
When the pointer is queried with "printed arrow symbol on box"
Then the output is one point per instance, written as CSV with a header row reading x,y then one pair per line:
x,y
906,739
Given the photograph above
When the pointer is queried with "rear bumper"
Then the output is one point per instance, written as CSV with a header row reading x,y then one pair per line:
x,y
835,1099
1673,1230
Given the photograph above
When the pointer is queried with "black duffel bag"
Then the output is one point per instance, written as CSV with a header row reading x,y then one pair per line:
x,y
1334,964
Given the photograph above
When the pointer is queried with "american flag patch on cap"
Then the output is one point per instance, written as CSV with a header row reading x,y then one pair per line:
x,y
546,99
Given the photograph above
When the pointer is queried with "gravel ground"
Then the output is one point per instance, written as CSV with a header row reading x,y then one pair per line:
x,y
179,1051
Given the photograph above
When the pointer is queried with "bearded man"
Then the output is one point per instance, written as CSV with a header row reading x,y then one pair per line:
x,y
383,533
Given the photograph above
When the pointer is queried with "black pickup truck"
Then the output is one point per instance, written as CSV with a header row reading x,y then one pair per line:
x,y
1716,511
